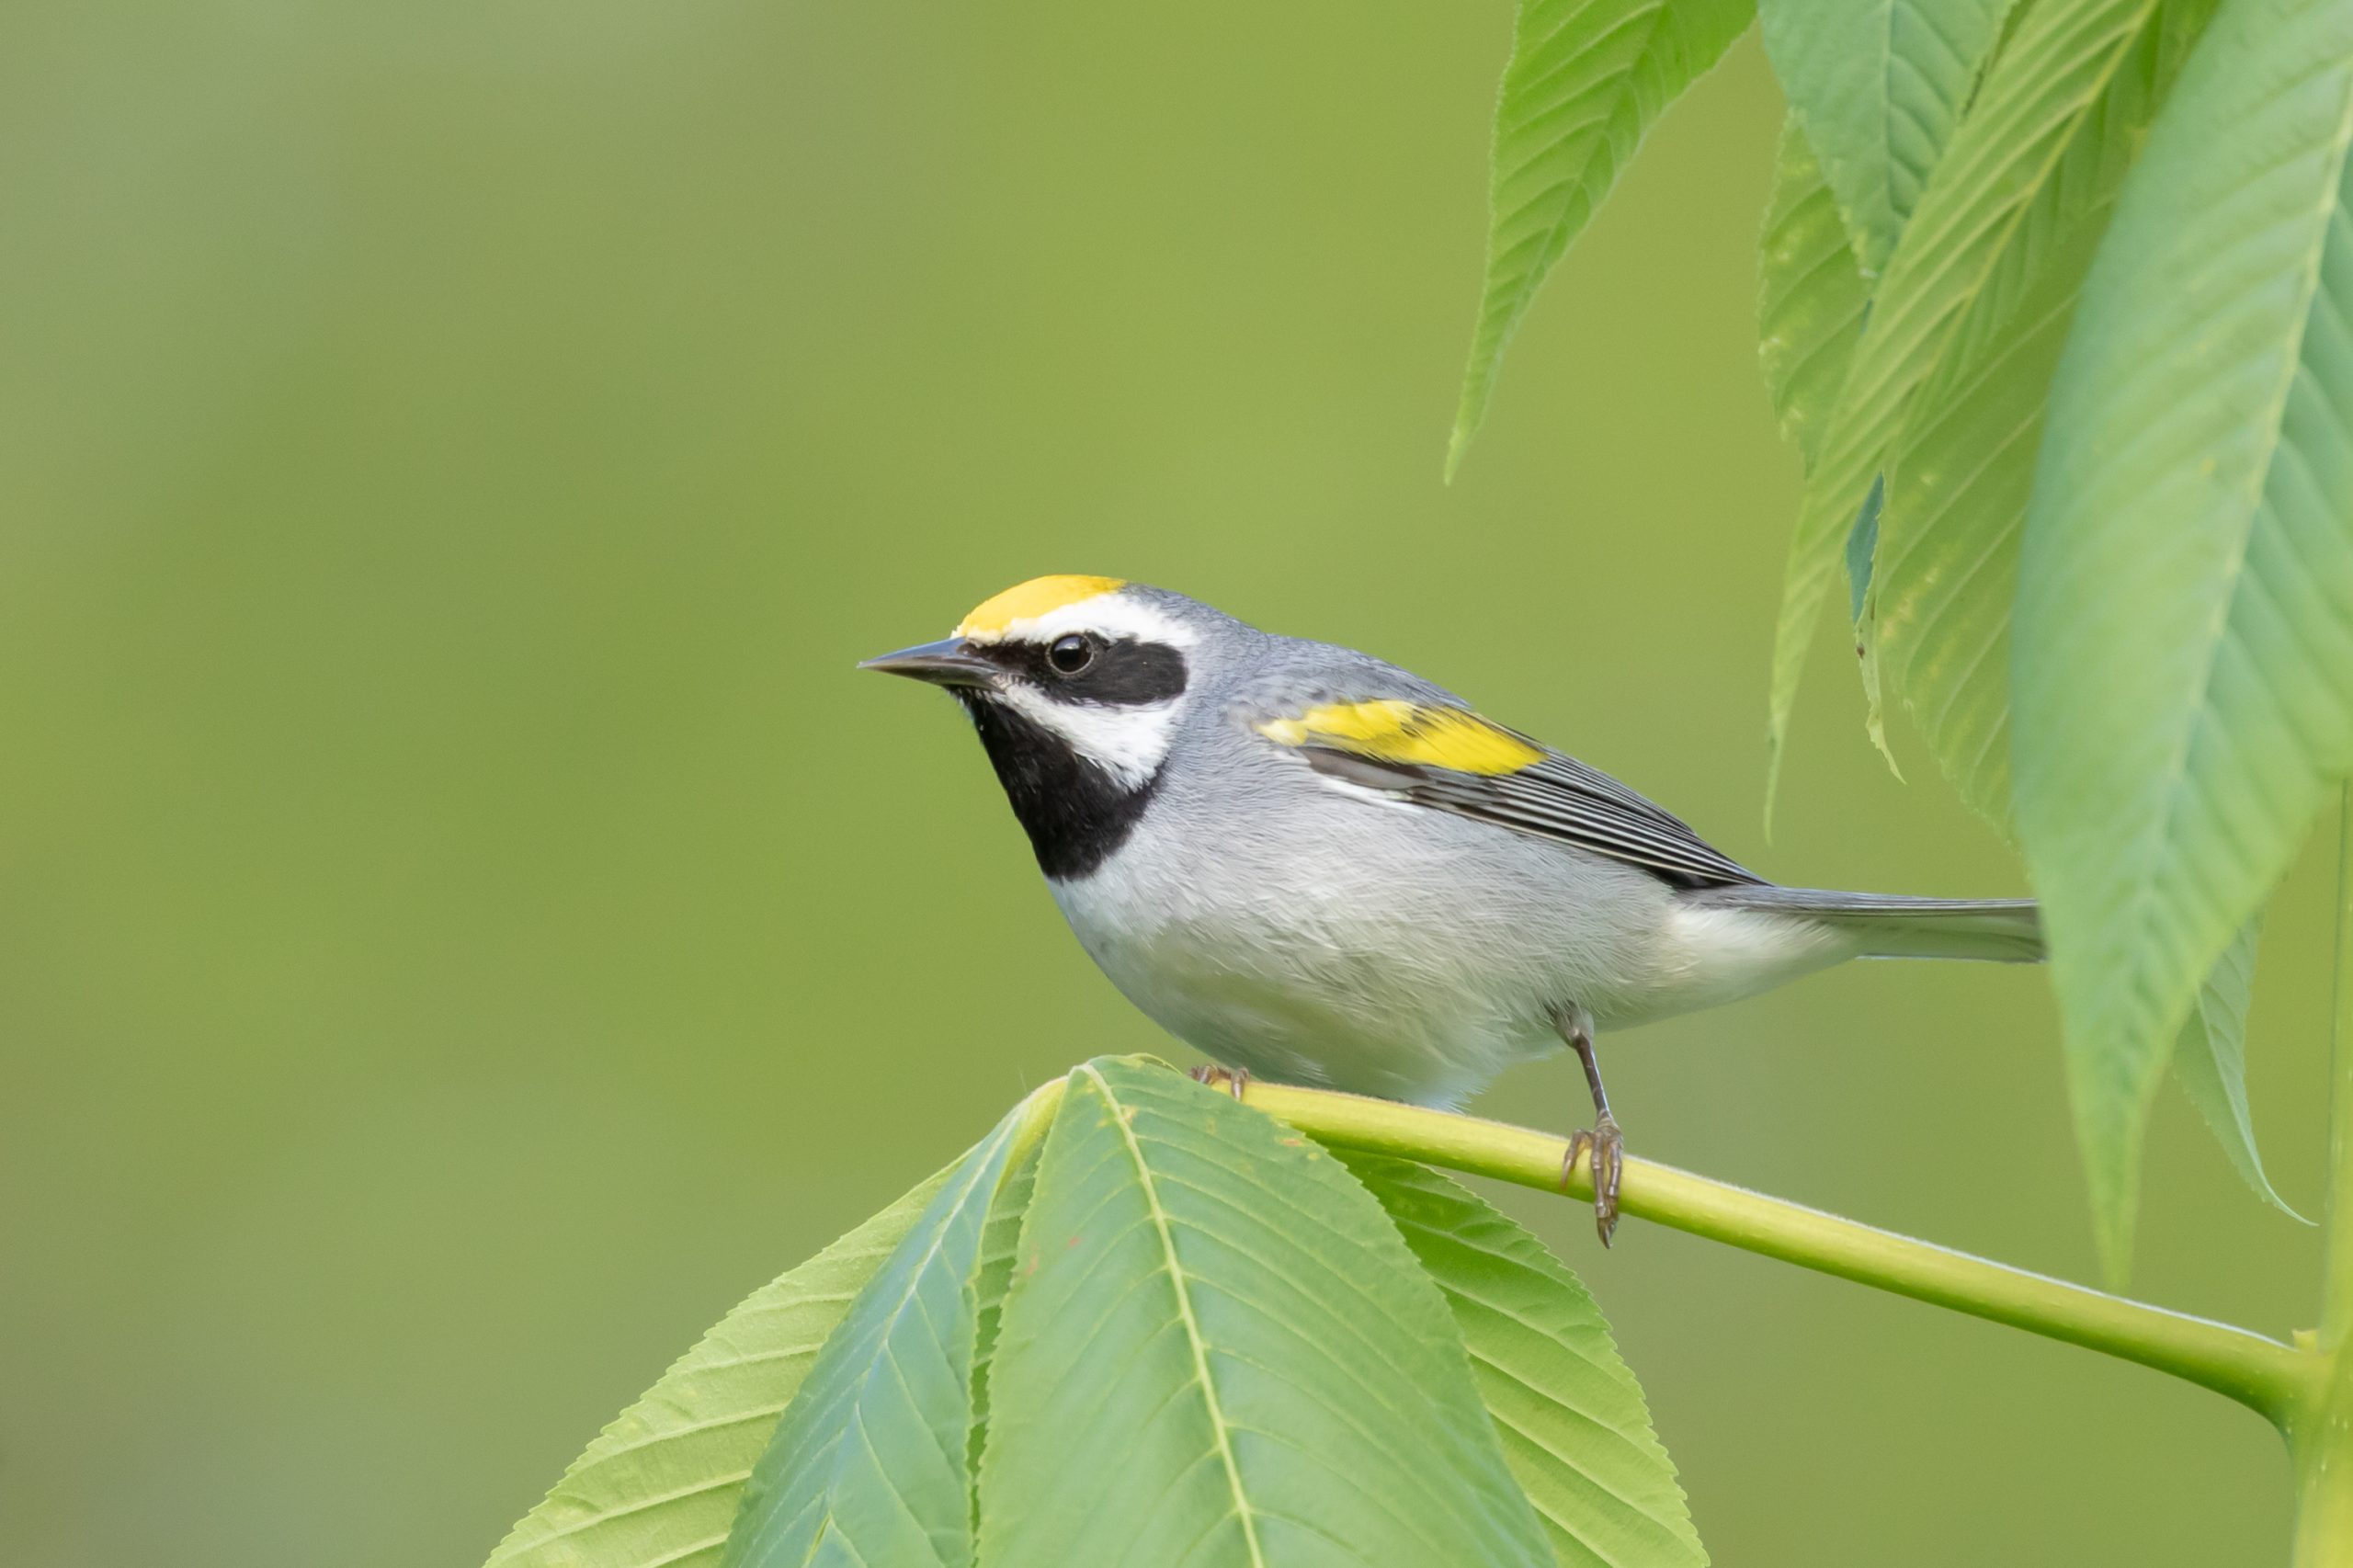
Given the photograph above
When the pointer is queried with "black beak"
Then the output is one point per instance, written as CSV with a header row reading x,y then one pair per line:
x,y
946,663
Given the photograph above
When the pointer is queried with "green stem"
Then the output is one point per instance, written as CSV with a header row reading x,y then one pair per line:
x,y
2263,1374
2321,1432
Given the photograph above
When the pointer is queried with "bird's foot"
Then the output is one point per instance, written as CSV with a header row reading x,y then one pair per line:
x,y
1605,1145
1233,1080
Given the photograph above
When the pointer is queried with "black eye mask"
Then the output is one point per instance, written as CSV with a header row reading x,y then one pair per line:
x,y
1124,673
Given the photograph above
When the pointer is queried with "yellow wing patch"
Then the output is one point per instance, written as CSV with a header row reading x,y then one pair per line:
x,y
1394,731
1027,601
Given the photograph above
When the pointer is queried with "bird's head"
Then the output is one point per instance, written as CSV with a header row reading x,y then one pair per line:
x,y
1076,686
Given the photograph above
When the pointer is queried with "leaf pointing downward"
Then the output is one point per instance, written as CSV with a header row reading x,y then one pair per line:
x,y
1878,85
2036,97
2183,669
1586,80
1875,89
1962,469
1810,295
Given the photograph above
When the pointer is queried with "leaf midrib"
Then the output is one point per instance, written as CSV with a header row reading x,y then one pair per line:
x,y
1244,1509
2143,898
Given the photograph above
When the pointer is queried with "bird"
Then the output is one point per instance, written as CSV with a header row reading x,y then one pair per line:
x,y
1316,868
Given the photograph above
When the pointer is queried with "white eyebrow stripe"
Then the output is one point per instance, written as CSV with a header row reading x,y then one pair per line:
x,y
1113,615
1129,744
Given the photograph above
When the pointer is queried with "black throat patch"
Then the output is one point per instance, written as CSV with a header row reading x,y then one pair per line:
x,y
1075,813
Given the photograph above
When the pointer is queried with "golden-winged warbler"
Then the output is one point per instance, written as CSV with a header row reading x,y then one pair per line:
x,y
1319,868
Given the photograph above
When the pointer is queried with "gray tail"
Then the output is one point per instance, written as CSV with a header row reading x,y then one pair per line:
x,y
1888,925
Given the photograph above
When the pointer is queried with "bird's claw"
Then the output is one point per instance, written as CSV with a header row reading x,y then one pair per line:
x,y
1605,1145
1233,1080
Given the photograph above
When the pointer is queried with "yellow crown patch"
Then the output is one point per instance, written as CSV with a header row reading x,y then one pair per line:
x,y
1412,733
1027,601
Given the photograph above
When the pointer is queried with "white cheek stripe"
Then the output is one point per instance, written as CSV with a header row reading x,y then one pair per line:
x,y
1112,615
1129,744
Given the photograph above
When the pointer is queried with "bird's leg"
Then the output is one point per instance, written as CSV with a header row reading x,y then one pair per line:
x,y
1605,1143
1233,1080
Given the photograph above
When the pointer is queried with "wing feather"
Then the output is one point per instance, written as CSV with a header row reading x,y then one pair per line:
x,y
1388,747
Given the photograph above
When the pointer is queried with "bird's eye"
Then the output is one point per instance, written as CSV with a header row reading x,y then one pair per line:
x,y
1071,654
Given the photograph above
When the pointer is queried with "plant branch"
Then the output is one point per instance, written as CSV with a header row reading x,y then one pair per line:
x,y
2264,1374
2320,1431
2336,1280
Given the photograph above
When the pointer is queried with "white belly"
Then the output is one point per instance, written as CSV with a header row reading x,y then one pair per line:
x,y
1413,966
1332,949
1375,1012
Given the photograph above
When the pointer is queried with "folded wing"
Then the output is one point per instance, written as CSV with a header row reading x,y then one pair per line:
x,y
1451,759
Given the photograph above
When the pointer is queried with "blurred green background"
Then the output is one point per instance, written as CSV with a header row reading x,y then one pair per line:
x,y
462,922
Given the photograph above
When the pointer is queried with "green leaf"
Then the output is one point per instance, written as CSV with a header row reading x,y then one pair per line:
x,y
1574,1429
1862,544
1810,295
2209,1060
2040,90
660,1484
1946,565
2183,665
1586,82
1879,85
1000,1243
1811,305
1947,569
871,1461
1219,1351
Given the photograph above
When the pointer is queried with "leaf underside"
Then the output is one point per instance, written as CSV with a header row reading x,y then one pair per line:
x,y
1574,1428
1218,1350
2183,667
